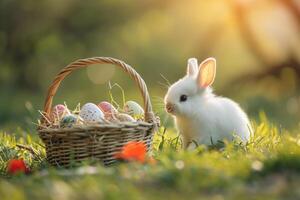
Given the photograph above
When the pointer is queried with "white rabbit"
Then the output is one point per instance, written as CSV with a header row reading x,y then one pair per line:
x,y
200,115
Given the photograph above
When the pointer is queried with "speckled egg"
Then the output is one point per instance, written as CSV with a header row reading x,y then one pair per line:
x,y
108,109
125,118
70,120
134,109
58,112
91,113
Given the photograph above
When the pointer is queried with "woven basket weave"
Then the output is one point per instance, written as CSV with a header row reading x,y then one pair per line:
x,y
101,142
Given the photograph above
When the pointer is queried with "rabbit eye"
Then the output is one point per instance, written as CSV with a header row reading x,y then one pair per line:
x,y
183,98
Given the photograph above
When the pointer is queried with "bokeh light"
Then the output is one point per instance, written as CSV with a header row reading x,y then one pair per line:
x,y
100,74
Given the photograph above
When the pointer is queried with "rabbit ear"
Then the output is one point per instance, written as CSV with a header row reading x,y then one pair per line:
x,y
207,72
192,67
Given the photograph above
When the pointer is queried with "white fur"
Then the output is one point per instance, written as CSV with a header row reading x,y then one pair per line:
x,y
205,117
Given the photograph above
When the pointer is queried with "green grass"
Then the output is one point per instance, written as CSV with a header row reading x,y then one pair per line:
x,y
268,167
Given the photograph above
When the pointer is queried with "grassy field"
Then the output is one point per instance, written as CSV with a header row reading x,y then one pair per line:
x,y
268,167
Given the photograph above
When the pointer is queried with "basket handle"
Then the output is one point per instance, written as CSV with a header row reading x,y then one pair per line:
x,y
81,63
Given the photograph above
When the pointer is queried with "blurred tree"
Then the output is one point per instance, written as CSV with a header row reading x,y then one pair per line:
x,y
31,29
281,16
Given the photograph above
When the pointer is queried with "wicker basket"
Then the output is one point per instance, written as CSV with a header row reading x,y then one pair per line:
x,y
65,146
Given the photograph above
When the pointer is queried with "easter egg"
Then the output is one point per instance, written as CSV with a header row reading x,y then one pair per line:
x,y
125,117
58,112
108,109
70,120
134,109
91,113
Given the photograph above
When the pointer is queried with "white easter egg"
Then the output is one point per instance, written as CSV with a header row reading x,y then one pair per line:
x,y
125,118
91,113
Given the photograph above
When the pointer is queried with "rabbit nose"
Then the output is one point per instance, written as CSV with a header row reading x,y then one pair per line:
x,y
169,107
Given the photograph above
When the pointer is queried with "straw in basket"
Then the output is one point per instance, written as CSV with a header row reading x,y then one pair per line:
x,y
102,142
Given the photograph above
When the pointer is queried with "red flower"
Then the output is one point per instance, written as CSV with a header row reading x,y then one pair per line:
x,y
133,151
16,166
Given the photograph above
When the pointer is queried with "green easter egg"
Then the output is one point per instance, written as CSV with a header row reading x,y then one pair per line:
x,y
69,120
134,109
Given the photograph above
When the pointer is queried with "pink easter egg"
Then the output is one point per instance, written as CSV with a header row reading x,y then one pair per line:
x,y
108,109
59,111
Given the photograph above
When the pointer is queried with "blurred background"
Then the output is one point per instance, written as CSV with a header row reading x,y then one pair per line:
x,y
256,43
